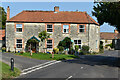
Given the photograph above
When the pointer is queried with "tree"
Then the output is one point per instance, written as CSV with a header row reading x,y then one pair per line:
x,y
2,17
108,12
44,35
66,43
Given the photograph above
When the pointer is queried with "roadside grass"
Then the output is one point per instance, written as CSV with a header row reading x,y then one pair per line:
x,y
45,56
7,73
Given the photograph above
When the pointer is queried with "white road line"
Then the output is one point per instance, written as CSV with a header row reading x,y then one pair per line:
x,y
37,65
40,67
69,77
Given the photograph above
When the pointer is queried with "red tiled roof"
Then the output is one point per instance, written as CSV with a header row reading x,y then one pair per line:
x,y
2,34
51,16
107,35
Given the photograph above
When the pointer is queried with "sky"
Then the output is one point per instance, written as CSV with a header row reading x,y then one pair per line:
x,y
17,7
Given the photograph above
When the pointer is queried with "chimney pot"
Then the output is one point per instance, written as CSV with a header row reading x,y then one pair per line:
x,y
115,31
56,9
8,13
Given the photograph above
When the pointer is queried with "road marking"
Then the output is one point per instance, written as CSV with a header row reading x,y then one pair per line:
x,y
40,67
37,66
69,77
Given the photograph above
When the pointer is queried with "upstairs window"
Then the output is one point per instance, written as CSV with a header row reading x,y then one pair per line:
x,y
49,44
18,27
78,42
65,28
19,43
49,28
81,28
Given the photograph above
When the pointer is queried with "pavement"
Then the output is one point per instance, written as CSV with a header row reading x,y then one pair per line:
x,y
87,66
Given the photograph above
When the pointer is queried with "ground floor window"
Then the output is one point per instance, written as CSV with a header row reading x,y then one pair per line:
x,y
77,42
49,44
19,43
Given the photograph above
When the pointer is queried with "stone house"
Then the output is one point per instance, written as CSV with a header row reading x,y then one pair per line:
x,y
79,26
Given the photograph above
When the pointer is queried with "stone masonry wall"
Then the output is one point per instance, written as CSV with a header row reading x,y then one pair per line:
x,y
33,29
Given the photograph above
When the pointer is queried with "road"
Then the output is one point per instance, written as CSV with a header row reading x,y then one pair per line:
x,y
87,66
21,62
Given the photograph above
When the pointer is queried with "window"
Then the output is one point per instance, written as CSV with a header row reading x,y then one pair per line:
x,y
49,44
18,27
65,28
81,28
78,42
49,28
96,43
96,30
19,43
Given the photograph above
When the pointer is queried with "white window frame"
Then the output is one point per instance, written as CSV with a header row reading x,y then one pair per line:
x,y
67,28
19,43
81,28
19,27
78,43
49,28
50,44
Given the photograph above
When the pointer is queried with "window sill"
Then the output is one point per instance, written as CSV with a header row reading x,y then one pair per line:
x,y
50,32
65,33
19,32
18,48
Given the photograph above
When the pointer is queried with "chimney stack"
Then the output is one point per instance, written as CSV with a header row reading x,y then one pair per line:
x,y
8,13
115,31
56,9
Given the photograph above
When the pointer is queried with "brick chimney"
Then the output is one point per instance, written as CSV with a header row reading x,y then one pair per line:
x,y
56,9
8,13
115,31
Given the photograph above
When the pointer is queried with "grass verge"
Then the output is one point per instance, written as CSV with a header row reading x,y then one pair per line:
x,y
7,73
45,56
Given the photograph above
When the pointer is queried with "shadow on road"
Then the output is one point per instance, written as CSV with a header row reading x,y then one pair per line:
x,y
93,60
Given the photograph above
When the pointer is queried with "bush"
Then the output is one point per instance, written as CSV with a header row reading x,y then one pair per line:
x,y
76,47
61,48
85,49
55,50
66,43
109,45
3,48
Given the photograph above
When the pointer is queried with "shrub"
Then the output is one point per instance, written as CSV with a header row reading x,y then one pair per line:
x,y
109,45
61,48
76,47
3,48
55,50
85,49
66,43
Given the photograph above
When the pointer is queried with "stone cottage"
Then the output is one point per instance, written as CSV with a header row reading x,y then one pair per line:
x,y
79,26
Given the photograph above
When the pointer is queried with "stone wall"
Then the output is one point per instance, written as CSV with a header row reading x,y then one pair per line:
x,y
33,29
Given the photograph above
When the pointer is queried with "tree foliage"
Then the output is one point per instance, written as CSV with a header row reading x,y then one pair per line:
x,y
2,17
44,35
108,12
66,43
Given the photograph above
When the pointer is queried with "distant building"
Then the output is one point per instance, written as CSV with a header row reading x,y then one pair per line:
x,y
108,38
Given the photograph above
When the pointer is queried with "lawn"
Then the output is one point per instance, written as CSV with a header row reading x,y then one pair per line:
x,y
45,56
6,72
